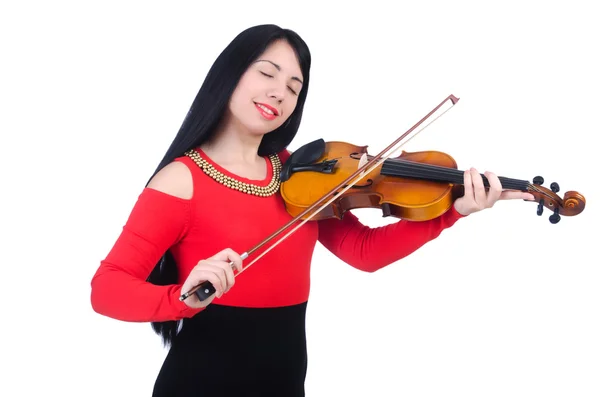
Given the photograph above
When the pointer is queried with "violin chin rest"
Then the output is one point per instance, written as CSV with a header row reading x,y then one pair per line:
x,y
306,154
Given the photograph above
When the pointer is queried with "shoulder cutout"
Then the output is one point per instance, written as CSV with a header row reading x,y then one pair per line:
x,y
174,179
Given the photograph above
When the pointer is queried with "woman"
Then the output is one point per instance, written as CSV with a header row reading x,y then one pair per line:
x,y
190,220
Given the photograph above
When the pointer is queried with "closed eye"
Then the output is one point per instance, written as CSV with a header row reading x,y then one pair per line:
x,y
289,88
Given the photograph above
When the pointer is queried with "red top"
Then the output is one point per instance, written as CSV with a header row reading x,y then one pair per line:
x,y
217,217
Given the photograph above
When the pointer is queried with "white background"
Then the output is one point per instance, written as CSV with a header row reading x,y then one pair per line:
x,y
502,304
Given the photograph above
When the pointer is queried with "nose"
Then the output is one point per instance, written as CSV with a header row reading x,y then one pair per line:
x,y
277,92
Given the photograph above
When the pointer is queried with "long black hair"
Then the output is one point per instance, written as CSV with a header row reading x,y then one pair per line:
x,y
207,111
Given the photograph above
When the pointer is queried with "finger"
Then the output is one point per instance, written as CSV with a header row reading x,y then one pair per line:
x,y
478,188
206,274
495,188
220,269
515,194
228,271
230,255
468,183
211,265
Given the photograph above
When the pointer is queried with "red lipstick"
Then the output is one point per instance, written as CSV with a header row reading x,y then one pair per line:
x,y
265,114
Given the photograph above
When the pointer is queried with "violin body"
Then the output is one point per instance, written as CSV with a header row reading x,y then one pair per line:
x,y
407,198
417,186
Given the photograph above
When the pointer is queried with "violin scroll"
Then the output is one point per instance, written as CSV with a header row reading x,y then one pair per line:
x,y
572,204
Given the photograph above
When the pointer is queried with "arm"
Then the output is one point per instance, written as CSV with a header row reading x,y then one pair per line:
x,y
370,249
160,218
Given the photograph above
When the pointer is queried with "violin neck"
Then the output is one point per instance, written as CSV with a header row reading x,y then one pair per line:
x,y
410,169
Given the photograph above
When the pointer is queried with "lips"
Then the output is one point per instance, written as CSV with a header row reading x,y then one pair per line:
x,y
271,108
266,111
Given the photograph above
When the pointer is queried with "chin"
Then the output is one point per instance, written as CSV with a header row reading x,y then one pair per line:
x,y
257,129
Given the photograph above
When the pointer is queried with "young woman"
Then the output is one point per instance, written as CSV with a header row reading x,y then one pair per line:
x,y
215,194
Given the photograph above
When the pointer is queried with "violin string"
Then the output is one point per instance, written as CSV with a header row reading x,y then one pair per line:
x,y
335,196
417,171
543,193
449,174
412,169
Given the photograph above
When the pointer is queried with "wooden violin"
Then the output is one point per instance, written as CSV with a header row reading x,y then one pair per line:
x,y
324,180
415,186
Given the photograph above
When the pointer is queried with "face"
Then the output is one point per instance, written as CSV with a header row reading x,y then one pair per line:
x,y
268,91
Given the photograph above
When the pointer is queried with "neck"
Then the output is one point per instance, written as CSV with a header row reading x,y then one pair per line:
x,y
434,173
233,144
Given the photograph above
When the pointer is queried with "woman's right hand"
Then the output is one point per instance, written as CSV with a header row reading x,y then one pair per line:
x,y
215,269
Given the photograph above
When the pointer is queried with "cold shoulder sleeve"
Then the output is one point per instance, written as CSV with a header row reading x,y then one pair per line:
x,y
119,287
370,249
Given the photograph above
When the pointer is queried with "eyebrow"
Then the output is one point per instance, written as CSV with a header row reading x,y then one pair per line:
x,y
279,68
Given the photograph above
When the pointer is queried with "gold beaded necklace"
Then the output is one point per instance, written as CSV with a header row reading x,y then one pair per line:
x,y
232,183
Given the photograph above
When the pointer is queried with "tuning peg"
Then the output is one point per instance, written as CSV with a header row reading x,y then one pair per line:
x,y
555,218
554,187
540,207
538,180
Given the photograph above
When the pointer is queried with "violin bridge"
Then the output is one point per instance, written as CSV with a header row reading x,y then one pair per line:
x,y
363,160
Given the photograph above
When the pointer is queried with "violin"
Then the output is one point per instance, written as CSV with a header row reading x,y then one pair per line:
x,y
415,186
323,180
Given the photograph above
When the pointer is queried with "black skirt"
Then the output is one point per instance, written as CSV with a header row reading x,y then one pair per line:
x,y
231,351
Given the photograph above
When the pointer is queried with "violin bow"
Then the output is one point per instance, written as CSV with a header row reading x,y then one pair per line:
x,y
206,289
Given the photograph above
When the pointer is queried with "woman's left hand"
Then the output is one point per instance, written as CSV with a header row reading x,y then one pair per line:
x,y
476,198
